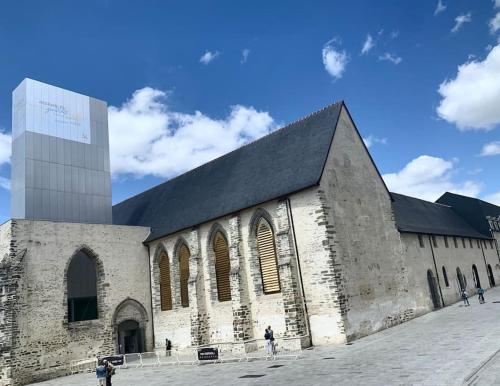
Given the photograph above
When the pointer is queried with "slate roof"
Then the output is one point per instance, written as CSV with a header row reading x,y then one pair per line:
x,y
285,161
472,210
419,216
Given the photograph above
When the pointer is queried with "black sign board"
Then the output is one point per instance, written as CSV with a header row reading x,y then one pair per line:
x,y
208,354
115,360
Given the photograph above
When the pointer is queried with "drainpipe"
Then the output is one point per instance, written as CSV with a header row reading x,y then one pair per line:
x,y
436,270
296,249
151,297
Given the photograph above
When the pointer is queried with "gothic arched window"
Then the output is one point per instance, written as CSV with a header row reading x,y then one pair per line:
x,y
184,274
267,257
222,267
82,288
165,288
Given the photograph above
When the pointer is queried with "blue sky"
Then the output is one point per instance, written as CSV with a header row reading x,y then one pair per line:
x,y
189,81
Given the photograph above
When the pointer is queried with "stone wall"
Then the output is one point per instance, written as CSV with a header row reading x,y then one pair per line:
x,y
250,311
463,255
43,342
364,243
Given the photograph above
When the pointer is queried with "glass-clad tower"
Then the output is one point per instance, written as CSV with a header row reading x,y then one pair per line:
x,y
60,155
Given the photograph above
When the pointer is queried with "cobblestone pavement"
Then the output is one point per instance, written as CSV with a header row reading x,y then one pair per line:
x,y
452,346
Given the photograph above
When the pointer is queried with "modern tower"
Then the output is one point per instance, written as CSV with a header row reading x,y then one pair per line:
x,y
60,155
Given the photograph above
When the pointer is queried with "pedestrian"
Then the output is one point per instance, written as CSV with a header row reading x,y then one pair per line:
x,y
100,373
110,371
271,340
267,337
465,297
480,294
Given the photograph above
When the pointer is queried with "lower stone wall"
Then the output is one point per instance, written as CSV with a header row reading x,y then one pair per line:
x,y
43,342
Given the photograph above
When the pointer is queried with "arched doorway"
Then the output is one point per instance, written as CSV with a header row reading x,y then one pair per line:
x,y
460,278
130,325
433,289
130,337
475,276
491,278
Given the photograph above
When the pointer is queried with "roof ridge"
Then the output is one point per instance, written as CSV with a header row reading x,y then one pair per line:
x,y
279,130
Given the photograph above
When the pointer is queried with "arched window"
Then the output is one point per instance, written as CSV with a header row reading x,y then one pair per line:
x,y
445,276
184,274
460,278
82,288
475,276
165,289
267,257
222,267
491,278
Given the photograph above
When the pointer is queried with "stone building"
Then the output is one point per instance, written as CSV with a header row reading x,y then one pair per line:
x,y
296,230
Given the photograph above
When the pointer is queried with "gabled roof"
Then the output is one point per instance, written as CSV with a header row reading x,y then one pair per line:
x,y
285,161
473,210
419,216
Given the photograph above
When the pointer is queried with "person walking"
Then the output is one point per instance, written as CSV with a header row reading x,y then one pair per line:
x,y
110,371
267,345
465,297
100,373
480,295
271,340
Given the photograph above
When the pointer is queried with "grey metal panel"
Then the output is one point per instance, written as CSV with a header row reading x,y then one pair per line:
x,y
45,155
59,174
45,175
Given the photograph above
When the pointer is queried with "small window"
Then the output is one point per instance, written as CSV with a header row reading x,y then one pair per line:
x,y
434,241
455,242
445,276
421,241
485,245
491,244
446,242
463,242
478,244
470,242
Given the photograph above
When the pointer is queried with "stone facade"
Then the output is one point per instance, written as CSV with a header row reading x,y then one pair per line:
x,y
344,272
37,341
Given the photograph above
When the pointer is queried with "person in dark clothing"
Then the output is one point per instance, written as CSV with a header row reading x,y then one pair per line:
x,y
480,294
465,297
110,371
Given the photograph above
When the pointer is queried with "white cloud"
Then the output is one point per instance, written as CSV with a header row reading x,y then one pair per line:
x,y
394,34
5,148
493,198
472,99
440,7
244,55
334,59
495,23
367,45
496,3
147,138
372,140
209,56
4,183
460,20
492,148
428,178
391,58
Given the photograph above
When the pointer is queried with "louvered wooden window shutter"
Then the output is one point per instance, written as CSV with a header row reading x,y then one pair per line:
x,y
184,274
267,257
222,267
165,290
